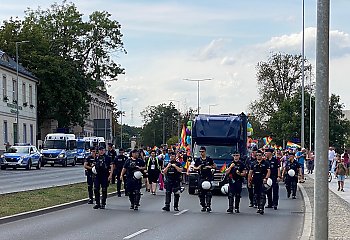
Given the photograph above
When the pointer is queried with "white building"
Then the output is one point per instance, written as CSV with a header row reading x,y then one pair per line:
x,y
26,92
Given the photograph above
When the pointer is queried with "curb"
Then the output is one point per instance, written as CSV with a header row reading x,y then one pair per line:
x,y
308,217
42,211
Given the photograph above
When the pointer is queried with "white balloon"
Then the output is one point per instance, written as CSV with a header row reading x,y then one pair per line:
x,y
206,185
291,172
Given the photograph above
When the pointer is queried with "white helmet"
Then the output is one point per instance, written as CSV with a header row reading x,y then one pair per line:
x,y
206,185
224,189
291,172
94,170
268,183
137,174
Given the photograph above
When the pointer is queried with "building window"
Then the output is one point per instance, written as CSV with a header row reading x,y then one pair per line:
x,y
14,90
31,134
15,133
6,139
4,87
30,94
24,133
24,94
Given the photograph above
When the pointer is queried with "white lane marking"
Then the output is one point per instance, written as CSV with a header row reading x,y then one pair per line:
x,y
179,213
135,234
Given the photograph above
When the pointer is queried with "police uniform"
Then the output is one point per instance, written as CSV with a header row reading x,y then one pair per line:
x,y
102,165
172,185
259,170
133,185
291,182
235,185
90,177
119,162
204,175
252,201
272,193
112,154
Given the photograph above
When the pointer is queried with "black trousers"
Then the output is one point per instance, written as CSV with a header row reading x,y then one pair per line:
x,y
204,195
234,194
172,187
90,184
259,194
101,182
119,182
291,185
273,194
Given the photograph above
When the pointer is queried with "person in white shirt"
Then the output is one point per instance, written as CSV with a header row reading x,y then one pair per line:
x,y
331,156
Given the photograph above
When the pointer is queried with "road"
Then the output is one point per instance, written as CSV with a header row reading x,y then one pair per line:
x,y
23,180
118,222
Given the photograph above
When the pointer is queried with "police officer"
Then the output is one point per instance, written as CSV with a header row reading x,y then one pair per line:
x,y
291,181
88,164
103,164
258,174
133,185
204,165
272,193
118,163
236,173
172,182
250,160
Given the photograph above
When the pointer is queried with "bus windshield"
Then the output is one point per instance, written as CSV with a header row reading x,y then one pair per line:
x,y
55,144
216,152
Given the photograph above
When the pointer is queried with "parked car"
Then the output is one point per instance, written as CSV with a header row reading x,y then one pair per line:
x,y
21,156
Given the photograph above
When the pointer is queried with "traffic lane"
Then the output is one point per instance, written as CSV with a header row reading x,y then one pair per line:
x,y
118,222
23,180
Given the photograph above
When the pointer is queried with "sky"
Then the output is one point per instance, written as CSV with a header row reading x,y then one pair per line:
x,y
169,41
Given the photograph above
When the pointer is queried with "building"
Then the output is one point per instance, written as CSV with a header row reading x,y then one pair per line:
x,y
25,90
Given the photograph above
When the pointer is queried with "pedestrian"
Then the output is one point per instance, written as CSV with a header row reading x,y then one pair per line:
x,y
88,165
172,174
340,174
335,162
236,173
204,165
133,183
310,162
258,174
300,156
119,162
249,162
331,156
345,156
104,172
291,176
275,175
153,171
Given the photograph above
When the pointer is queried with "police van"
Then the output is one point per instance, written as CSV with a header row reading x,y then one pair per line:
x,y
96,141
83,150
59,148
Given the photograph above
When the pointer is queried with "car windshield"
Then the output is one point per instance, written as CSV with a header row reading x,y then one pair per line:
x,y
55,144
80,145
18,150
216,152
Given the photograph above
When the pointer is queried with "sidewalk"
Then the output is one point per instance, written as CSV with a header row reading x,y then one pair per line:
x,y
339,208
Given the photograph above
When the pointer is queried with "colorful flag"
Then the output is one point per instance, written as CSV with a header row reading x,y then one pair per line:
x,y
183,136
223,168
292,145
267,140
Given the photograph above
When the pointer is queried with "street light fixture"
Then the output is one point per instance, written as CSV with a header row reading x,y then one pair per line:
x,y
198,81
178,117
121,122
17,104
212,105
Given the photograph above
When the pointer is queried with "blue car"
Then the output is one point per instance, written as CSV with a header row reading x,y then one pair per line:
x,y
21,157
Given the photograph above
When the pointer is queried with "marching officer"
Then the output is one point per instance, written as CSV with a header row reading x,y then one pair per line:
x,y
250,160
111,153
236,173
272,193
133,184
204,165
118,163
88,164
103,164
291,181
258,174
172,173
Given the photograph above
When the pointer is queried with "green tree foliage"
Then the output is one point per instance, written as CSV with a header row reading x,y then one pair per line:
x,y
69,56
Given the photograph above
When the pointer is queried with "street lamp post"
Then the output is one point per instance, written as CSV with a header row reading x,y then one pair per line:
x,y
121,122
17,104
198,81
211,105
302,83
178,118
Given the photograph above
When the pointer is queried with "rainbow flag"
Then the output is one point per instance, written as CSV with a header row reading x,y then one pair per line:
x,y
293,145
183,136
223,168
267,140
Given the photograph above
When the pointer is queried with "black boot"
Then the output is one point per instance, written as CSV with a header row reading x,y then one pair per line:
x,y
104,197
237,200
176,202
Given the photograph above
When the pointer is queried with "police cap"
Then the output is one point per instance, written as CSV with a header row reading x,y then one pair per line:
x,y
101,148
202,149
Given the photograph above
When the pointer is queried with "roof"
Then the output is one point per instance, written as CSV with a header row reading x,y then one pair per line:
x,y
7,62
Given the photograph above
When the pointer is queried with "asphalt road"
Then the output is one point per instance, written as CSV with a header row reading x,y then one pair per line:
x,y
23,180
150,222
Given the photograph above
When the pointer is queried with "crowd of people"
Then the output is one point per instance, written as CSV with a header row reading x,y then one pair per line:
x,y
168,168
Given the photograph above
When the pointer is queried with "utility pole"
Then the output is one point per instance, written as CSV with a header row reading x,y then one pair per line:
x,y
310,136
198,81
302,83
178,118
322,121
163,130
121,122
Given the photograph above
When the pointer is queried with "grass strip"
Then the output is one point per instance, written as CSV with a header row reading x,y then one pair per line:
x,y
14,203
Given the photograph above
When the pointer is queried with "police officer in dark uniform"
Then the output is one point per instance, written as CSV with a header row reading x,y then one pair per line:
x,y
204,165
236,173
133,185
172,182
258,174
112,154
88,164
291,181
103,164
118,163
250,160
272,193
